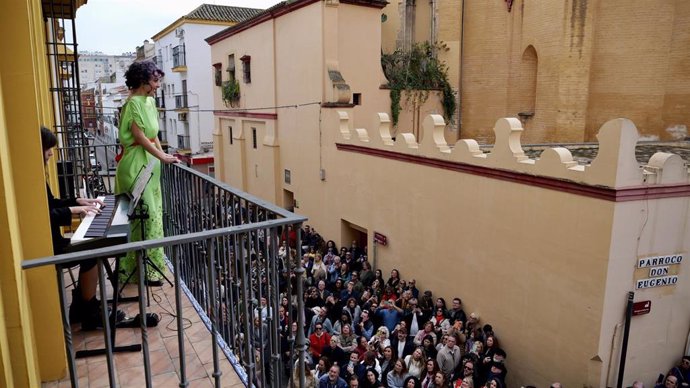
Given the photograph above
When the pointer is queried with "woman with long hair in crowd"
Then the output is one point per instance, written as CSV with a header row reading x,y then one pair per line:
x,y
415,362
352,308
429,346
427,376
371,379
394,280
396,377
310,381
427,330
440,381
387,361
348,340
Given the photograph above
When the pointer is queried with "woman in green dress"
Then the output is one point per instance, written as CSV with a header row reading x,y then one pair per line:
x,y
139,140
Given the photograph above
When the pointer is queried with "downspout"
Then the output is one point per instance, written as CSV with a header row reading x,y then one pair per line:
x,y
462,59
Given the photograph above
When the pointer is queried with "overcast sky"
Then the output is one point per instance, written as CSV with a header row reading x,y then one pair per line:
x,y
117,26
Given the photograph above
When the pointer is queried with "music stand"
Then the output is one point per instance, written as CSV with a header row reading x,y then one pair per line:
x,y
138,210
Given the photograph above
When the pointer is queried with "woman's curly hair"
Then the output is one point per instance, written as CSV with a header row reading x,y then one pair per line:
x,y
141,72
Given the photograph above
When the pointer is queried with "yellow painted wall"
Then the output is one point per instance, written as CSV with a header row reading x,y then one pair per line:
x,y
30,305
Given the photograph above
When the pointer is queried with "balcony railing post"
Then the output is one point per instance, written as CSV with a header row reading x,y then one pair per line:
x,y
299,274
66,328
211,287
106,323
142,314
180,315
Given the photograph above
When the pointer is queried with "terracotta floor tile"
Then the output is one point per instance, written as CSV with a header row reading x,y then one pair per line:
x,y
194,368
98,375
166,380
161,363
201,383
132,377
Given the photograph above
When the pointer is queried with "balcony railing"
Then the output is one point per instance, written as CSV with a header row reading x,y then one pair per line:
x,y
179,59
222,248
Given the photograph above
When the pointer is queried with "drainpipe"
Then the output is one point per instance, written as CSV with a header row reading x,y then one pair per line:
x,y
626,333
462,59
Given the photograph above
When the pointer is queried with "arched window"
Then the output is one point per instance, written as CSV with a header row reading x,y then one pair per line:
x,y
528,82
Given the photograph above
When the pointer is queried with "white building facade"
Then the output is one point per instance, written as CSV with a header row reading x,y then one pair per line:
x,y
185,99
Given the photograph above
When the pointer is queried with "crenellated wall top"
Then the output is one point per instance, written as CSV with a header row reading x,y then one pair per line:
x,y
615,165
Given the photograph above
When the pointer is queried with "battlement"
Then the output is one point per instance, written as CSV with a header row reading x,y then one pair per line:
x,y
615,165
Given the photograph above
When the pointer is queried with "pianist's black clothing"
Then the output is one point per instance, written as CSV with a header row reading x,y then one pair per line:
x,y
60,215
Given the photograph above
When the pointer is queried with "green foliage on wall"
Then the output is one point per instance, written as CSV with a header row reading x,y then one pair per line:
x,y
417,72
231,92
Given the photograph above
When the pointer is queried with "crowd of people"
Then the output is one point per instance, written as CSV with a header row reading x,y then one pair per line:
x,y
368,330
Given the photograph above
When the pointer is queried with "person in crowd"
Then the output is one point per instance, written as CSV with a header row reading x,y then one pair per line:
x,y
371,379
349,291
402,346
378,275
138,135
353,382
428,331
426,303
412,382
318,340
390,314
415,362
321,317
457,313
389,294
358,285
474,337
440,381
344,319
362,346
380,340
334,352
332,379
472,323
681,372
348,340
85,307
465,369
396,377
364,327
427,377
394,280
319,271
351,367
465,382
413,317
333,270
440,322
670,381
369,361
429,347
441,304
344,273
449,357
322,367
366,275
494,383
377,289
387,361
310,380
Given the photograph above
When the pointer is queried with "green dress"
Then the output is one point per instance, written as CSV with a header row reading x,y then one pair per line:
x,y
142,111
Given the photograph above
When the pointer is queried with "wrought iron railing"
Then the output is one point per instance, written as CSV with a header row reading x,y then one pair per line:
x,y
222,246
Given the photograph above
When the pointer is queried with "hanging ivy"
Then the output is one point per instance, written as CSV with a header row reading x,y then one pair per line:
x,y
231,92
416,72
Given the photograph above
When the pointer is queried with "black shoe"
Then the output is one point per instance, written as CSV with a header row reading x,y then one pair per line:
x,y
76,307
154,283
91,316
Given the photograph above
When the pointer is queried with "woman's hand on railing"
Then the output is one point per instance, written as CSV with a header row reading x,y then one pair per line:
x,y
168,159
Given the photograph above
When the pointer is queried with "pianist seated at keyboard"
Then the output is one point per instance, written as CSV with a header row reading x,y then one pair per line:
x,y
85,308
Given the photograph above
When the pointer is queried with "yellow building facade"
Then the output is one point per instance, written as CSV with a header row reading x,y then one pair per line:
x,y
545,250
563,67
31,342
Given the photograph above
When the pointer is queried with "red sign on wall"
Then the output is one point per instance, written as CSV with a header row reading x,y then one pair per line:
x,y
642,307
380,239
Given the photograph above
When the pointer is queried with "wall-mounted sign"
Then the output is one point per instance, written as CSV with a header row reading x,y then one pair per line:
x,y
642,307
657,282
656,261
380,239
661,273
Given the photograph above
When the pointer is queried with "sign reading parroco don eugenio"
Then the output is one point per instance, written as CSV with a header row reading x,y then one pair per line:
x,y
660,271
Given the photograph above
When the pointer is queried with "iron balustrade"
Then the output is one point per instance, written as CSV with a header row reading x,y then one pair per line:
x,y
222,246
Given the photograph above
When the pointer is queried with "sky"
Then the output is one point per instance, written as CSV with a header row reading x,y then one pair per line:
x,y
118,26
